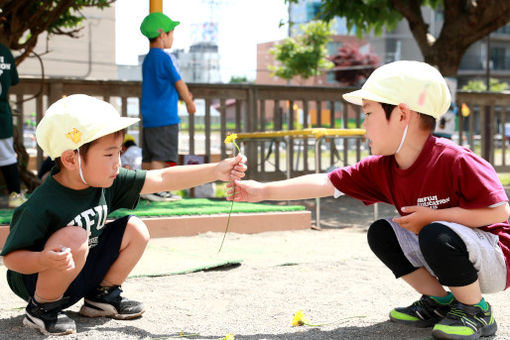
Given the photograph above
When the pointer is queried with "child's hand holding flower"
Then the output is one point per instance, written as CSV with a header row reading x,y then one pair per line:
x,y
231,169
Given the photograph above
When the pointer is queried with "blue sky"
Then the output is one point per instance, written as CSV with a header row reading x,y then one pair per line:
x,y
241,25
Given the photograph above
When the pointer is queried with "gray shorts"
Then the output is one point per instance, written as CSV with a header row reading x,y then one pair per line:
x,y
7,153
160,144
483,248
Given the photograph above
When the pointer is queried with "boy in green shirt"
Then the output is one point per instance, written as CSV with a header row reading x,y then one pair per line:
x,y
59,248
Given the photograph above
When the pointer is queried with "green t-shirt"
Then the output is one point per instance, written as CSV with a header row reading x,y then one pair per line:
x,y
53,206
8,77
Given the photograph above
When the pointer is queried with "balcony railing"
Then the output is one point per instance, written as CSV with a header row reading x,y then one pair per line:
x,y
249,108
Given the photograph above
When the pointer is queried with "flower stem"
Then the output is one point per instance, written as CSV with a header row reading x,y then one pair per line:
x,y
228,220
233,141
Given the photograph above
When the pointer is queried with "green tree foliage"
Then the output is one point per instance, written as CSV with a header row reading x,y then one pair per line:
x,y
305,55
465,22
480,85
22,21
237,80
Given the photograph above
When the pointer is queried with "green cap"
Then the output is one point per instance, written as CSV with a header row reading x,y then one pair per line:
x,y
156,23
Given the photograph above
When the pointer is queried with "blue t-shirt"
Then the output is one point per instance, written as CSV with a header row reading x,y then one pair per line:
x,y
159,95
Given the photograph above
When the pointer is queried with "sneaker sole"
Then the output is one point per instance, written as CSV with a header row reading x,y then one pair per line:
x,y
38,324
417,323
97,309
485,331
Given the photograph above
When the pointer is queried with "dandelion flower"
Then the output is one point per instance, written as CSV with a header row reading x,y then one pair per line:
x,y
229,336
299,319
231,138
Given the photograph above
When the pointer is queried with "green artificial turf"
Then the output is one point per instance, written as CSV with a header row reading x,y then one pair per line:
x,y
186,206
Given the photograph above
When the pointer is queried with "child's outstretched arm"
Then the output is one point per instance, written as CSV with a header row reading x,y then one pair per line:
x,y
188,176
302,187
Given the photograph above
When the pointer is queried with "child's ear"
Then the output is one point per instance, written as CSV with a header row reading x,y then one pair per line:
x,y
405,111
69,159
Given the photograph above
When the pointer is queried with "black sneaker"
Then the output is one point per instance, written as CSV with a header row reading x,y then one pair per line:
x,y
49,318
468,322
425,312
107,301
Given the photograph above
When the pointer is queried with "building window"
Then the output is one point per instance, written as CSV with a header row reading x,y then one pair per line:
x,y
333,47
312,8
330,79
498,58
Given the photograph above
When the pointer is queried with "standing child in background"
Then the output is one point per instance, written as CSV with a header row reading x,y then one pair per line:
x,y
131,154
60,248
161,88
8,158
452,230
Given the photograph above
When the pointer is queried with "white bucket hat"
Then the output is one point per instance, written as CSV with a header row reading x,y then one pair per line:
x,y
414,83
76,120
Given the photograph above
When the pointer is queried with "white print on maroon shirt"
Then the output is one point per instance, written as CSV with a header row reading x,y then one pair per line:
x,y
432,201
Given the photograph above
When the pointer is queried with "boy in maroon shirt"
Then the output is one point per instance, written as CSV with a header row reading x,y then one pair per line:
x,y
452,230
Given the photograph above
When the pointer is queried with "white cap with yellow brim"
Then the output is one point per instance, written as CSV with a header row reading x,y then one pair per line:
x,y
414,83
76,120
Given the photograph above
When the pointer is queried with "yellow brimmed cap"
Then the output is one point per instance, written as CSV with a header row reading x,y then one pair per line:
x,y
414,83
76,120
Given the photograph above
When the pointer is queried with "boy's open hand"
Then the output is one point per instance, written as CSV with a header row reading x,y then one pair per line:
x,y
231,169
418,217
60,259
246,191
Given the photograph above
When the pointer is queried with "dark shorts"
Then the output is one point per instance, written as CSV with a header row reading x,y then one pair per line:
x,y
160,144
99,260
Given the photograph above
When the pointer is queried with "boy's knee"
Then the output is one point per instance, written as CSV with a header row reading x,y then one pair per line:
x,y
73,237
377,233
138,229
437,238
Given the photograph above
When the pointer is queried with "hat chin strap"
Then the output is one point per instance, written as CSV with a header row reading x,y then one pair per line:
x,y
79,166
398,149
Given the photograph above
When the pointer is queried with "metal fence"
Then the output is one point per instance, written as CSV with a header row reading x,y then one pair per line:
x,y
231,108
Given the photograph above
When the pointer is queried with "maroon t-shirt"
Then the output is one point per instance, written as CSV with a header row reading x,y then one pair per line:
x,y
444,175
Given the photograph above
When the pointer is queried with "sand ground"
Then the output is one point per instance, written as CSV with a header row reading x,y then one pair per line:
x,y
330,274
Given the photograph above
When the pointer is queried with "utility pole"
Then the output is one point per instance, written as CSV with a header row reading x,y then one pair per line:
x,y
487,117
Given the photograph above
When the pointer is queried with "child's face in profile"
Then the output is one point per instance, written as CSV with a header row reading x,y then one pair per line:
x,y
102,162
384,135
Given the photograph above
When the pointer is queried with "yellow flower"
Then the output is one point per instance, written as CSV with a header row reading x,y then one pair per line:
x,y
299,319
229,336
231,138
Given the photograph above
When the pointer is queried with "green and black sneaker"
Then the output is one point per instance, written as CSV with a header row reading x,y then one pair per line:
x,y
466,322
425,312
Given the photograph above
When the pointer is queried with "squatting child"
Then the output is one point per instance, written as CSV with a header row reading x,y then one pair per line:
x,y
60,248
452,230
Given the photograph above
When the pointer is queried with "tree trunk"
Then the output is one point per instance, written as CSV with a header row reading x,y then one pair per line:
x,y
465,22
30,180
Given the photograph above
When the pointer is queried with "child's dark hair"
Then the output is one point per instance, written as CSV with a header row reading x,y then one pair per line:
x,y
426,122
129,144
84,149
151,40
